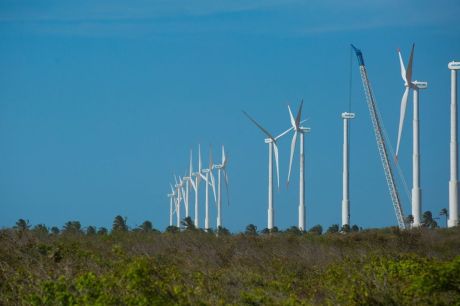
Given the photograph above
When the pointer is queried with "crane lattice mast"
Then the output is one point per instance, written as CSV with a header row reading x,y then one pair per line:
x,y
371,103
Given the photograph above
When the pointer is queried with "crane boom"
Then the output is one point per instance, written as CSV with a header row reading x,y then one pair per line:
x,y
372,105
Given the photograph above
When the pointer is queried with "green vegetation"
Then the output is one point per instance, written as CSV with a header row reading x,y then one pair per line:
x,y
76,266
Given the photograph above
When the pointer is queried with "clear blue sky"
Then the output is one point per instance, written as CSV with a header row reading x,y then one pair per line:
x,y
101,101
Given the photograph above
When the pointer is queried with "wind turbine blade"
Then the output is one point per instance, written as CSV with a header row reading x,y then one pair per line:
x,y
403,69
401,118
191,164
226,186
294,139
203,177
172,189
175,179
183,192
213,185
211,163
259,126
299,115
223,156
409,67
292,118
275,149
193,184
284,133
199,158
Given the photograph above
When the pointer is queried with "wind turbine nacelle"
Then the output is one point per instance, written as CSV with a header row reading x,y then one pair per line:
x,y
348,115
268,140
454,65
305,129
420,85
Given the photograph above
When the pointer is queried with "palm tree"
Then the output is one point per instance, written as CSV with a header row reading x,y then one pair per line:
x,y
294,230
317,229
334,228
91,230
41,228
102,231
22,225
146,226
72,227
188,224
251,230
222,231
428,221
55,230
172,229
119,224
444,212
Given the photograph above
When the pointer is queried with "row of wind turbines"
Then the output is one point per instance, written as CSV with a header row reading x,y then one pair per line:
x,y
179,195
180,191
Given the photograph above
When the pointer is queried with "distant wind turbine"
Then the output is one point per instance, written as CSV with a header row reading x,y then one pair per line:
x,y
196,183
222,167
172,200
209,179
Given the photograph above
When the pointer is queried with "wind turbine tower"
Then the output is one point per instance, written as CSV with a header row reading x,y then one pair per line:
x,y
207,177
453,183
221,168
415,86
178,200
345,179
172,200
196,184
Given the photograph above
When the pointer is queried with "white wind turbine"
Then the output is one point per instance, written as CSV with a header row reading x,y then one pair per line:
x,y
196,183
209,179
172,200
298,129
415,86
272,148
221,168
179,196
188,181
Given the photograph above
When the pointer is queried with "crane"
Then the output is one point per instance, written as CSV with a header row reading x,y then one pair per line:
x,y
376,123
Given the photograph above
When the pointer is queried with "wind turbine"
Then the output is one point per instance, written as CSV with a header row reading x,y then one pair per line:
x,y
196,184
415,86
188,181
179,197
453,183
345,177
272,148
221,168
298,129
208,177
172,200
